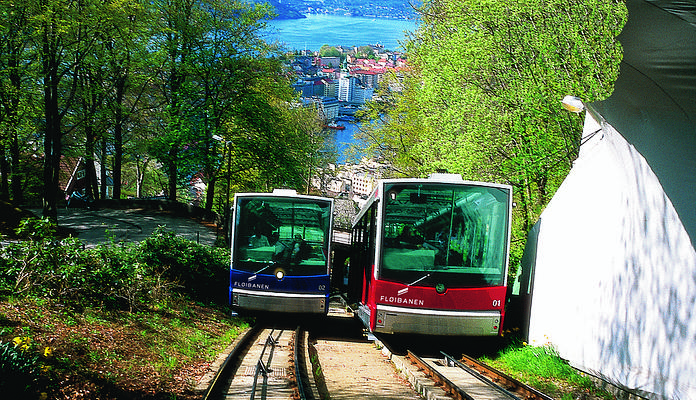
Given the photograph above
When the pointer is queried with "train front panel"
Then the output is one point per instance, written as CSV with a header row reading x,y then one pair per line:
x,y
439,257
290,294
280,253
422,310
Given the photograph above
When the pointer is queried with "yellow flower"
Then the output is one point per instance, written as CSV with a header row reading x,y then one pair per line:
x,y
22,342
524,343
43,396
48,352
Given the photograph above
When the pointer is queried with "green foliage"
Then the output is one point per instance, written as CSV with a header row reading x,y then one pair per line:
x,y
493,74
200,270
18,370
58,349
329,51
143,87
542,368
36,229
366,52
482,97
40,264
131,277
391,126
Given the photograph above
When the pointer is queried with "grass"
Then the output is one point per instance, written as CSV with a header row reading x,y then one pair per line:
x,y
542,368
99,354
161,353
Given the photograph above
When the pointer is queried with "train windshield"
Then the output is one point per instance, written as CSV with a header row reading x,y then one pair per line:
x,y
445,235
273,233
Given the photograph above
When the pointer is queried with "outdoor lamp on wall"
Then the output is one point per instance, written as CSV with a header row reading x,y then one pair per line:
x,y
573,104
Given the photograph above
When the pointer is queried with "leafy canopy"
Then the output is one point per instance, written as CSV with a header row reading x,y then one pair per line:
x,y
482,97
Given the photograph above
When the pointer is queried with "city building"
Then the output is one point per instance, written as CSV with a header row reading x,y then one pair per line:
x,y
346,87
362,94
354,181
327,107
332,62
370,78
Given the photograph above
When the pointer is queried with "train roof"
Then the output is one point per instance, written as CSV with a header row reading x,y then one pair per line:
x,y
284,193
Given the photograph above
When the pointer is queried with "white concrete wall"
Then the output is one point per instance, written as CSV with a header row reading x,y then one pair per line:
x,y
615,280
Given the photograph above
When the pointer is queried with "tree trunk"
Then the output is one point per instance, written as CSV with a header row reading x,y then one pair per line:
x,y
103,190
52,135
118,136
92,188
15,48
210,194
171,172
51,147
4,175
17,172
140,177
140,169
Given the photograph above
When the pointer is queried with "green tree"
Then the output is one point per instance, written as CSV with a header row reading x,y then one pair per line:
x,y
490,76
128,73
271,133
145,86
65,36
329,51
18,87
225,70
214,56
391,127
179,38
365,52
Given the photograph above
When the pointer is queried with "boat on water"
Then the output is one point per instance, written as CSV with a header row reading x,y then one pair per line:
x,y
333,125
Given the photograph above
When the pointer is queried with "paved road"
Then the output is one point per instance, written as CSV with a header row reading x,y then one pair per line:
x,y
99,226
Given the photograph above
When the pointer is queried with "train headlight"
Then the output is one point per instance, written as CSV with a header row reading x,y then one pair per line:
x,y
279,274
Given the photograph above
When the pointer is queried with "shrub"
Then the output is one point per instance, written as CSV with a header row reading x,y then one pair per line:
x,y
200,270
39,263
18,369
123,276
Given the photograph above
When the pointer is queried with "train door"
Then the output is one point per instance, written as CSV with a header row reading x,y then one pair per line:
x,y
362,257
369,261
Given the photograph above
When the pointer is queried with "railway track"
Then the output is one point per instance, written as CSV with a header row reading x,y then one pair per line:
x,y
272,363
265,364
470,380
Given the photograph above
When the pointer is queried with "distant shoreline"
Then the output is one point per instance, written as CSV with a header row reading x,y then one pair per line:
x,y
300,9
302,16
318,29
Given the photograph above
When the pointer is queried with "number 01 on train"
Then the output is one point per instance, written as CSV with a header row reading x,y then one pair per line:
x,y
430,256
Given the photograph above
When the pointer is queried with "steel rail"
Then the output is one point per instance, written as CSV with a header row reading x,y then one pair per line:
x,y
450,361
263,368
296,359
215,387
447,385
512,384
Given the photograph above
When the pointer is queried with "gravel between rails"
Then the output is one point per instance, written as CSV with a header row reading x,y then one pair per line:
x,y
359,370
